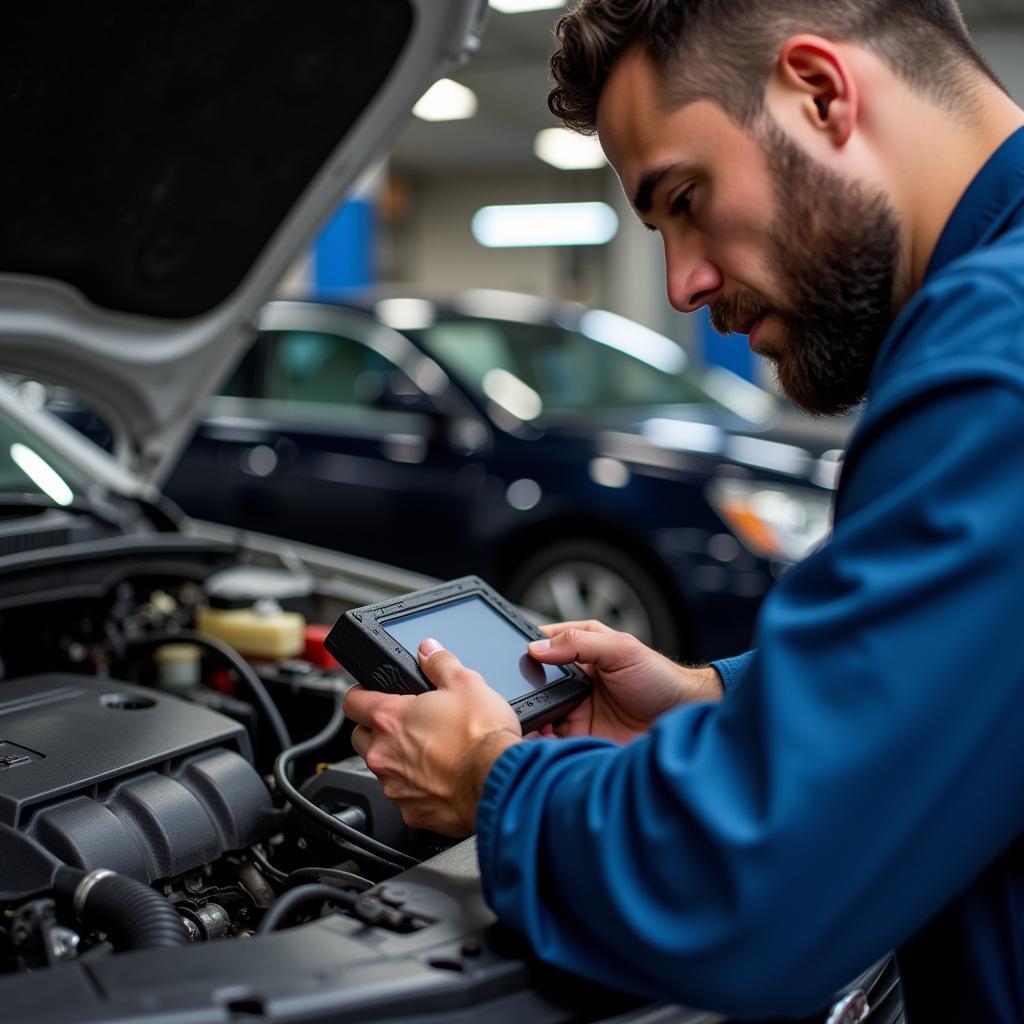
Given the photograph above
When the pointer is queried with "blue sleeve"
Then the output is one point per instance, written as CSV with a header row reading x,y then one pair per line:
x,y
753,856
732,670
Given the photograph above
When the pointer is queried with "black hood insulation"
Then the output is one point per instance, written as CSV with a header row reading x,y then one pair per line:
x,y
151,150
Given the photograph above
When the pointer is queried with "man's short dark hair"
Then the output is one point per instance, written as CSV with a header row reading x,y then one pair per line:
x,y
724,50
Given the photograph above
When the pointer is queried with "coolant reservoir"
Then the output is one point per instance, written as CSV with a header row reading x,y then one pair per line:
x,y
245,611
261,631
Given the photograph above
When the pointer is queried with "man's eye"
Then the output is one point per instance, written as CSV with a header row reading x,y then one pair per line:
x,y
682,202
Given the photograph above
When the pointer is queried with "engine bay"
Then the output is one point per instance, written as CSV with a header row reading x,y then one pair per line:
x,y
173,719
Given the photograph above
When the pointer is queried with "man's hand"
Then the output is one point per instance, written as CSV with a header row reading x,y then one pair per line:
x,y
432,751
633,685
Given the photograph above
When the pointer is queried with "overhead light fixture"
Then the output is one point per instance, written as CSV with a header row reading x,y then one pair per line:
x,y
542,224
522,6
569,151
446,100
42,474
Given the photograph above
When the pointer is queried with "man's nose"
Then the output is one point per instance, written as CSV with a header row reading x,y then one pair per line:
x,y
692,281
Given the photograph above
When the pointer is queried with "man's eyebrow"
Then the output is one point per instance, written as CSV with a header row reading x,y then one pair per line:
x,y
644,195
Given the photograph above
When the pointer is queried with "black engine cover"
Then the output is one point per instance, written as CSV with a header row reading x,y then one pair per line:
x,y
108,775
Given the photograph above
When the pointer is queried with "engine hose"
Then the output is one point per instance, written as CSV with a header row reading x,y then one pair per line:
x,y
366,845
132,915
329,876
303,895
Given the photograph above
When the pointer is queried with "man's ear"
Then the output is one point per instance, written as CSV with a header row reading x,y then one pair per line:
x,y
812,71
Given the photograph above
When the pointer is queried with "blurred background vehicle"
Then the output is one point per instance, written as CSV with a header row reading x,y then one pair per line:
x,y
577,460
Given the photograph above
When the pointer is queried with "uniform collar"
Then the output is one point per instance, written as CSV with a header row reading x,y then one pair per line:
x,y
995,195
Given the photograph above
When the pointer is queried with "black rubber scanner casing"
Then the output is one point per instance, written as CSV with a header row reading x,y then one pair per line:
x,y
360,642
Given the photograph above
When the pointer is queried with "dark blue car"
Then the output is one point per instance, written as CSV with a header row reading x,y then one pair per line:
x,y
571,457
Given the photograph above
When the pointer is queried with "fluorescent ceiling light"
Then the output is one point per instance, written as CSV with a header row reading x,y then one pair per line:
x,y
446,100
568,151
502,227
42,474
522,6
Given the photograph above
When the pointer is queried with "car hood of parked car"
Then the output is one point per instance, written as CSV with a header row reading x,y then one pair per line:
x,y
165,164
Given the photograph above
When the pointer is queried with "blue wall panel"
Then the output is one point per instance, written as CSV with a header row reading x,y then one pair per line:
x,y
343,253
730,351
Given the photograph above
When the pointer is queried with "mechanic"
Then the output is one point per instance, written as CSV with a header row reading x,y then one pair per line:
x,y
844,181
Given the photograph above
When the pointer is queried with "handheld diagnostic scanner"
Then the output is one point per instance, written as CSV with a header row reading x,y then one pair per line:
x,y
378,643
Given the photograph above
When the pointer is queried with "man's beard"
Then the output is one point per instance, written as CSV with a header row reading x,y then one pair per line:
x,y
835,249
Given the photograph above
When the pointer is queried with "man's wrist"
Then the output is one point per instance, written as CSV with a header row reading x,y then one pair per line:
x,y
479,761
701,683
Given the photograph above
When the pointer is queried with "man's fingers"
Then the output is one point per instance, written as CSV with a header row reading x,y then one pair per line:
x,y
442,667
607,651
361,737
587,625
361,705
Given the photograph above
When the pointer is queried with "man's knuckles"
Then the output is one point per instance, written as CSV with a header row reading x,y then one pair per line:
x,y
439,665
376,760
445,670
393,790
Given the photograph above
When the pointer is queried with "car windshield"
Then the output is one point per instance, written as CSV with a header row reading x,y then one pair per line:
x,y
29,466
544,368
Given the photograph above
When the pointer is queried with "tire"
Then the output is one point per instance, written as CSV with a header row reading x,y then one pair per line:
x,y
589,579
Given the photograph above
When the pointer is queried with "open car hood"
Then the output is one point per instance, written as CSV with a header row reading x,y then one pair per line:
x,y
164,164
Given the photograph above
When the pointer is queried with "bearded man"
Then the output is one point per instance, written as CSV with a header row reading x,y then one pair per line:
x,y
843,181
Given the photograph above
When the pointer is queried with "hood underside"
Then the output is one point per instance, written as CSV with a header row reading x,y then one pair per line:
x,y
164,164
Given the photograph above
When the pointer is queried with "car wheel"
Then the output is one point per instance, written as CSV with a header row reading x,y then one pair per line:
x,y
588,579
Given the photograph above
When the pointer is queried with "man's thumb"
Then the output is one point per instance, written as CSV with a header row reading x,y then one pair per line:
x,y
439,665
428,647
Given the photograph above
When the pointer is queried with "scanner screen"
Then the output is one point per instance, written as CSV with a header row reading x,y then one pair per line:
x,y
483,640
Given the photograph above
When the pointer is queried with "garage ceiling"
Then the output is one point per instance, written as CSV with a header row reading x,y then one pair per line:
x,y
509,76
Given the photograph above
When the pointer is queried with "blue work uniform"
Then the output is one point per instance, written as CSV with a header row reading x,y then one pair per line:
x,y
861,786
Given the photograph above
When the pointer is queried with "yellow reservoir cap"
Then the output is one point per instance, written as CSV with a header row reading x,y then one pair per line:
x,y
263,631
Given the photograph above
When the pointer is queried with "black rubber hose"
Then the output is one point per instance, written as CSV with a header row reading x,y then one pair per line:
x,y
239,664
392,858
132,915
266,867
295,898
344,879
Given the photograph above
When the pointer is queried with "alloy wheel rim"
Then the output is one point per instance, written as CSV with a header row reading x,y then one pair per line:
x,y
579,590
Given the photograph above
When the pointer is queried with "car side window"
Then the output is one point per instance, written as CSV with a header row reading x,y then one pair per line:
x,y
242,381
322,368
567,370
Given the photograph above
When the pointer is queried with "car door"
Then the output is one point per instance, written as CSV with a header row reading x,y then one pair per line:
x,y
335,443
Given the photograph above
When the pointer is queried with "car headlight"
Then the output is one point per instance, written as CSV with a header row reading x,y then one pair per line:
x,y
781,523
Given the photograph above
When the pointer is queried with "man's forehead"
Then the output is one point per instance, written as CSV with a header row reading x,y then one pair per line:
x,y
645,140
627,104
